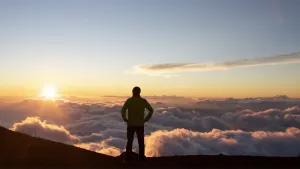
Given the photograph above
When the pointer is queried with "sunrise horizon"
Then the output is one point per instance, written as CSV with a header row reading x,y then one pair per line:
x,y
94,94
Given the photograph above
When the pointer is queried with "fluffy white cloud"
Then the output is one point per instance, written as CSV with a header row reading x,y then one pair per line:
x,y
34,126
229,142
101,147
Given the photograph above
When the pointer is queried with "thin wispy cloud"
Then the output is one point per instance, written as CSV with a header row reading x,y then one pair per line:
x,y
168,69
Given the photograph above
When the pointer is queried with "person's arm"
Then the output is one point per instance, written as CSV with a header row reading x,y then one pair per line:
x,y
150,111
123,111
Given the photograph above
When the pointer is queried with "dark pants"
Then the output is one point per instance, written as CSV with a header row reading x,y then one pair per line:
x,y
139,130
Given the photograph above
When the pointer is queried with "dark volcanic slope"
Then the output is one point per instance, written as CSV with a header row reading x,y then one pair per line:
x,y
220,161
21,150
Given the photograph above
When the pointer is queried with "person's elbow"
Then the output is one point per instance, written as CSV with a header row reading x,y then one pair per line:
x,y
123,113
151,109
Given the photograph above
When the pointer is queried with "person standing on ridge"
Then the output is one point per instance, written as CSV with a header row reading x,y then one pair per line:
x,y
136,106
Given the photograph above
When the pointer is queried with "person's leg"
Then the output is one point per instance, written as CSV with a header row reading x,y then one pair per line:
x,y
140,136
130,136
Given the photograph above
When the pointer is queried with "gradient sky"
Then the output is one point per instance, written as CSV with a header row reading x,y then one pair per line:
x,y
90,47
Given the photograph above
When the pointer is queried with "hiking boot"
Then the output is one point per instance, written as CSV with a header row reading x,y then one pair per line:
x,y
142,158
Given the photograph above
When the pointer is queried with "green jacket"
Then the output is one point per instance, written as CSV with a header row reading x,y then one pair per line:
x,y
136,107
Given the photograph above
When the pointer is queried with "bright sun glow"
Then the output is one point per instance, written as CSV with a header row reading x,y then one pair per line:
x,y
49,92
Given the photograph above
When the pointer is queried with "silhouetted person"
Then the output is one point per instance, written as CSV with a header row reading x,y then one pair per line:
x,y
136,106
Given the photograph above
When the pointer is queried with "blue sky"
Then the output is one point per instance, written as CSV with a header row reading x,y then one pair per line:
x,y
93,42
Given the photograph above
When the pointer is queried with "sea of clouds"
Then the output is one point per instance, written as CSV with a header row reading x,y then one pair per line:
x,y
179,126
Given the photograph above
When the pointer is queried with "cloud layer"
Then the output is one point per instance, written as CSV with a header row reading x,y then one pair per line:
x,y
229,142
35,127
167,68
251,126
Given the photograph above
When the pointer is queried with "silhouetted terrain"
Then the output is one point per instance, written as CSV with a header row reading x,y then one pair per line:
x,y
20,150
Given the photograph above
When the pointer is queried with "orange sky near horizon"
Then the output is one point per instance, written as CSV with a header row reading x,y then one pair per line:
x,y
125,90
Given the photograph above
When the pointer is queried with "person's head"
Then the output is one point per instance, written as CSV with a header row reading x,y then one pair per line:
x,y
136,91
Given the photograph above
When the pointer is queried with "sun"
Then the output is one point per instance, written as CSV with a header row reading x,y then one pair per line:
x,y
49,92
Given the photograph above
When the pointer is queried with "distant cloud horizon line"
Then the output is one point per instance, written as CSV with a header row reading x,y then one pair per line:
x,y
168,69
